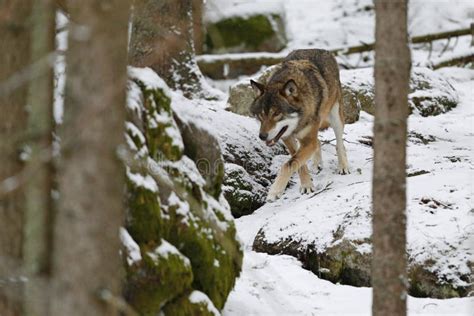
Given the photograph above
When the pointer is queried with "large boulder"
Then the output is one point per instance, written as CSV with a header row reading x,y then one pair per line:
x,y
243,27
430,93
179,235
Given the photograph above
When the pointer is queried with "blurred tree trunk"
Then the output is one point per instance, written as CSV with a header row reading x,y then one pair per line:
x,y
38,211
163,39
392,74
198,30
14,58
86,261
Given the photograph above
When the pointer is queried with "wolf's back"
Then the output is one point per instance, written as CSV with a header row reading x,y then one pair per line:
x,y
323,60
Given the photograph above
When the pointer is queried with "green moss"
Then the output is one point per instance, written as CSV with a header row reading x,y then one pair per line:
x,y
144,222
160,143
155,280
215,256
182,306
247,33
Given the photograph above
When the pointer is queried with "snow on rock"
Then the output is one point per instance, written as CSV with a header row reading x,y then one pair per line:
x,y
146,182
198,297
131,247
238,137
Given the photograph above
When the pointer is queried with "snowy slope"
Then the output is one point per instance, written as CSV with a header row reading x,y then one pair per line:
x,y
277,285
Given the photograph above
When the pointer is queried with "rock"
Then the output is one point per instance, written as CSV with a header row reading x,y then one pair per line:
x,y
204,149
251,33
332,238
194,303
247,160
340,263
242,192
180,221
241,95
159,277
430,93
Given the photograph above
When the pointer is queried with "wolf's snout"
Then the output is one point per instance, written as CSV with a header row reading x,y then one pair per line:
x,y
263,136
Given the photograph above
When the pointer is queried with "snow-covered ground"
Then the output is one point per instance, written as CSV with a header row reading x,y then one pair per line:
x,y
278,285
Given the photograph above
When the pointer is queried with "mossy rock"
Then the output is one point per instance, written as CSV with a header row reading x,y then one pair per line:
x,y
156,279
170,201
254,33
242,192
195,303
143,220
160,130
207,238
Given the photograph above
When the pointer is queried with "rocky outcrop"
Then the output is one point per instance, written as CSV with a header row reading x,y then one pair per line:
x,y
179,236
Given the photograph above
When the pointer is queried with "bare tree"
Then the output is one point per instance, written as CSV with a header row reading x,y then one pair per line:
x,y
392,72
86,262
38,188
14,59
163,39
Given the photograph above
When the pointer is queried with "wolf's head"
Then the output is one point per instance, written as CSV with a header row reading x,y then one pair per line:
x,y
273,107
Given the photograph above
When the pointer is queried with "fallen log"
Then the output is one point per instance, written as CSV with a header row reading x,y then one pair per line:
x,y
235,65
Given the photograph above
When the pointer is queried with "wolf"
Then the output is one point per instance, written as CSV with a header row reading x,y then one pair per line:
x,y
302,96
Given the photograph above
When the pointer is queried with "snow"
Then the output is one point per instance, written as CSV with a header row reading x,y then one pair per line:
x,y
198,297
149,78
139,180
272,285
133,250
278,285
164,250
217,10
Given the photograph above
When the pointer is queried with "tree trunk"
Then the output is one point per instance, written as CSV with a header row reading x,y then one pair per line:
x,y
14,57
392,72
86,261
38,211
163,39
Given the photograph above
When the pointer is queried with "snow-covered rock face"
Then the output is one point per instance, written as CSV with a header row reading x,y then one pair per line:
x,y
330,232
179,235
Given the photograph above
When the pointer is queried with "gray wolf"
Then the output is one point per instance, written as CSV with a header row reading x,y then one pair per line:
x,y
301,97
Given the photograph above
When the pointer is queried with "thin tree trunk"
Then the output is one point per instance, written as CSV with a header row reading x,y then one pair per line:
x,y
392,71
86,261
14,57
38,211
163,39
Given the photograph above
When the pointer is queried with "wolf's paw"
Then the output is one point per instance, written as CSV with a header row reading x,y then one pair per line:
x,y
275,193
343,170
273,196
307,188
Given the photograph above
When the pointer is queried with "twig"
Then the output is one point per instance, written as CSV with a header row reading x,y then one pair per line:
x,y
326,188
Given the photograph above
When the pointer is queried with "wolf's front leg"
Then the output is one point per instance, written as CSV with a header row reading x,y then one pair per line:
x,y
306,183
296,162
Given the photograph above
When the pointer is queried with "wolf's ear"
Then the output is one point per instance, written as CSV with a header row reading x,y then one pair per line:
x,y
290,88
258,87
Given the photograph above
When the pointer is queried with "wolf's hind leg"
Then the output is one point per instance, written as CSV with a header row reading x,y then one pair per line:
x,y
337,124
